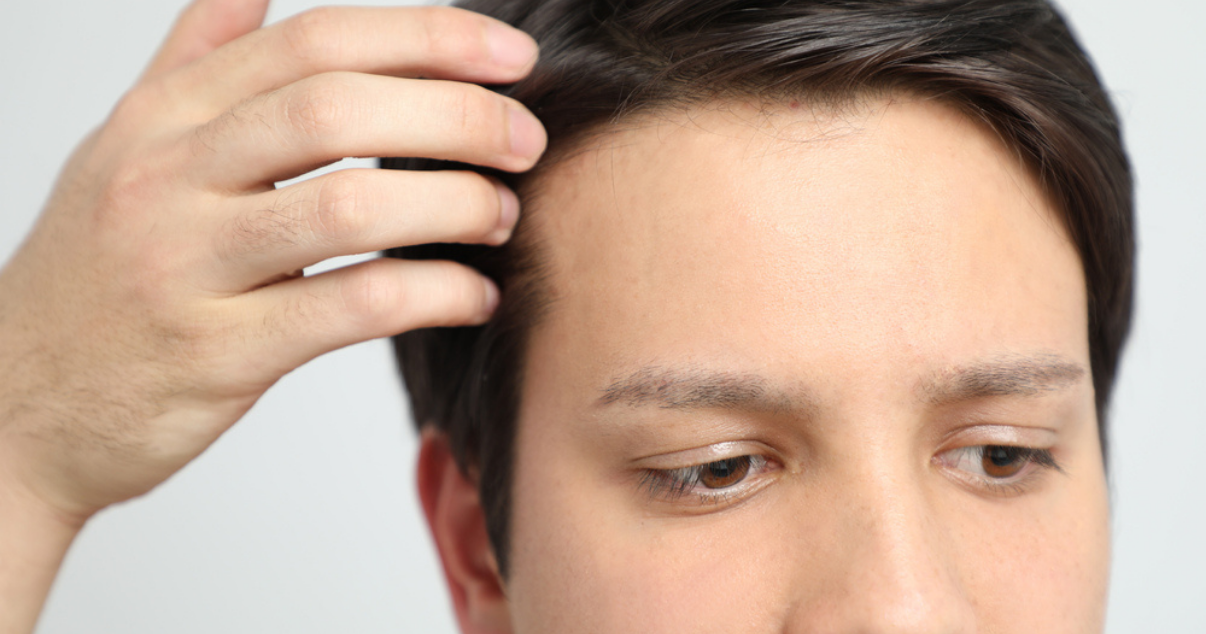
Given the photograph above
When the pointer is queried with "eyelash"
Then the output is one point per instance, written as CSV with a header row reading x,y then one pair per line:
x,y
673,484
1034,461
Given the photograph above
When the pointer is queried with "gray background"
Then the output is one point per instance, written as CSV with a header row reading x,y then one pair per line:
x,y
303,517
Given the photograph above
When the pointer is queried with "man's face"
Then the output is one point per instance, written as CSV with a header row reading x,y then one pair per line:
x,y
783,386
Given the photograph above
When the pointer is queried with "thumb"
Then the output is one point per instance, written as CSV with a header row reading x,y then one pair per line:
x,y
203,26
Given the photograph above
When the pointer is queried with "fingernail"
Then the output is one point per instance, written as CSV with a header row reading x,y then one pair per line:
x,y
508,214
492,298
527,135
510,47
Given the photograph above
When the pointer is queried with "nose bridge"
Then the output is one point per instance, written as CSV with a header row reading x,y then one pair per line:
x,y
888,565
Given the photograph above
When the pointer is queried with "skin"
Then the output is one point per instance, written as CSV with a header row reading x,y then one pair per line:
x,y
831,295
861,298
160,293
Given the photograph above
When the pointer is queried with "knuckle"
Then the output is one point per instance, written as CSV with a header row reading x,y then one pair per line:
x,y
315,37
317,106
367,296
449,33
152,288
478,117
195,341
339,215
131,187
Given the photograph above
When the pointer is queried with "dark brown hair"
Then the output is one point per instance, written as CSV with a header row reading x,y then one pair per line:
x,y
1013,64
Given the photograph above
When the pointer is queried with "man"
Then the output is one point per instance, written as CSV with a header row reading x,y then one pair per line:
x,y
835,339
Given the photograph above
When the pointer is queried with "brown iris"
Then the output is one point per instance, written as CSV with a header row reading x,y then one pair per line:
x,y
1004,462
724,473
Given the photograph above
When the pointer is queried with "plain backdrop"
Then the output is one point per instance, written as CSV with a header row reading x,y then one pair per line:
x,y
303,517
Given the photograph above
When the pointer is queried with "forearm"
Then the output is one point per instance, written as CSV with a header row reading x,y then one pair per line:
x,y
33,541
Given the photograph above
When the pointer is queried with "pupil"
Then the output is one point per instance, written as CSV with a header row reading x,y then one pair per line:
x,y
1002,456
722,469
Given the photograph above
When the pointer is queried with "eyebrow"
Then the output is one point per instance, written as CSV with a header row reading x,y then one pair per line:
x,y
656,386
696,388
1011,376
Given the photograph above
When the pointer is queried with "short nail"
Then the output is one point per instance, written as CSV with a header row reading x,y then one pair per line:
x,y
527,135
492,297
509,47
508,214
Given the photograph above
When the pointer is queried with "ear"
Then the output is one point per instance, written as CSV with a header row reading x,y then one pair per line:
x,y
458,526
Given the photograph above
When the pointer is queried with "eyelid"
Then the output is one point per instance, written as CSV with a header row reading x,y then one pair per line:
x,y
703,455
1042,440
1005,435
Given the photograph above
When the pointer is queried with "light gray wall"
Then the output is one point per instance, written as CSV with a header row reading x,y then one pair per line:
x,y
303,518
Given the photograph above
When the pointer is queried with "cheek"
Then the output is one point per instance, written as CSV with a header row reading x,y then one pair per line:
x,y
580,556
583,561
1040,570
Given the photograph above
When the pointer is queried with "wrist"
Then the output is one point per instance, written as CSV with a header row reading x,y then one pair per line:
x,y
34,538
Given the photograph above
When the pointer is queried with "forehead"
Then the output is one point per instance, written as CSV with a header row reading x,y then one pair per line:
x,y
887,240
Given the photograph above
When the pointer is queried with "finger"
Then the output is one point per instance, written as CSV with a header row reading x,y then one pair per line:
x,y
432,42
324,118
203,26
300,319
358,211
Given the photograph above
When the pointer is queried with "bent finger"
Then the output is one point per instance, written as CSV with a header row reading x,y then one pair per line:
x,y
432,42
302,318
322,119
357,211
202,27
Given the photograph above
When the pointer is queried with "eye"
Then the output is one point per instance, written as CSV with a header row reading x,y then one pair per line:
x,y
1005,468
712,482
724,473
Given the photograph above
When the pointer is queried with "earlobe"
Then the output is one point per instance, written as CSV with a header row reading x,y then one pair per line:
x,y
458,526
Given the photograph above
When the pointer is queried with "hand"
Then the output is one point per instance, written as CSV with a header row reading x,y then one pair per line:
x,y
160,293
